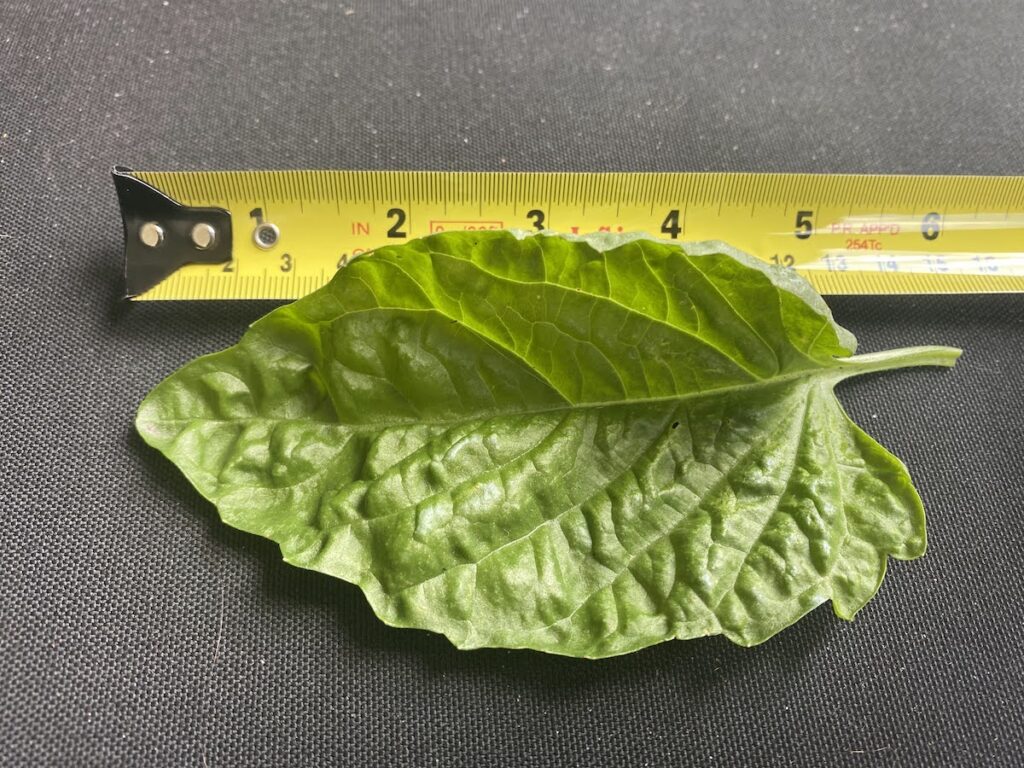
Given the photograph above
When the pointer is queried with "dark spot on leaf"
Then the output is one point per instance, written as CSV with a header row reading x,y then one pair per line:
x,y
675,425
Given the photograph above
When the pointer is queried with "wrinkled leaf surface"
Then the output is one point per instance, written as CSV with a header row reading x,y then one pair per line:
x,y
541,443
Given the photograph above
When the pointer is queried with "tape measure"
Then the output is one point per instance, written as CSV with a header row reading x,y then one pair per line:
x,y
282,234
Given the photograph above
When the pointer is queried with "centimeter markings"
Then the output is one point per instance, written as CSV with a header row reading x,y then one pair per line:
x,y
845,233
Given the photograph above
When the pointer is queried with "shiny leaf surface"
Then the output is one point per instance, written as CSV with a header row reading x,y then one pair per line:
x,y
579,446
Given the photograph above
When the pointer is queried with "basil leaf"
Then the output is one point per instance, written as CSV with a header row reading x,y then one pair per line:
x,y
581,446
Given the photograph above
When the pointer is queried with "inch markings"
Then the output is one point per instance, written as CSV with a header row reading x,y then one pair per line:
x,y
845,233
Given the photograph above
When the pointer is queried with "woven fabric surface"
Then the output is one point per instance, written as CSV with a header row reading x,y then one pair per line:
x,y
136,629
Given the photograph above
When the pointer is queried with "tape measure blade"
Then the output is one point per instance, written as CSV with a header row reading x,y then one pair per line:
x,y
854,234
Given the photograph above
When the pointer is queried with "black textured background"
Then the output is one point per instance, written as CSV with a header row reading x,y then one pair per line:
x,y
136,629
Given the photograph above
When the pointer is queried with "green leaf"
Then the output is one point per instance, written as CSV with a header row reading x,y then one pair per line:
x,y
582,446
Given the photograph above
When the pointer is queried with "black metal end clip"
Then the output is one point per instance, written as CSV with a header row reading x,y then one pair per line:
x,y
162,235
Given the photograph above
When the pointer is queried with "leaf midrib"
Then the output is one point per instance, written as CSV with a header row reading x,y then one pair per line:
x,y
830,372
837,370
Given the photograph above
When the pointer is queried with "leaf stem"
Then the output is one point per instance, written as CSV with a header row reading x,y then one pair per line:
x,y
898,358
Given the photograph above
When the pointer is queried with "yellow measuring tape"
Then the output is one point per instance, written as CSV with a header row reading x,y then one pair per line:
x,y
289,231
